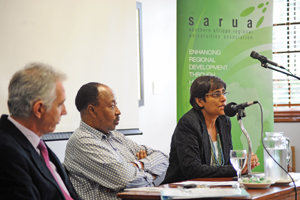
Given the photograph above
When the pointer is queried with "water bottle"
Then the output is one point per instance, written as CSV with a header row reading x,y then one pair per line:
x,y
279,148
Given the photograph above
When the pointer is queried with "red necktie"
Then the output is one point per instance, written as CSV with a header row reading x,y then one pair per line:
x,y
44,153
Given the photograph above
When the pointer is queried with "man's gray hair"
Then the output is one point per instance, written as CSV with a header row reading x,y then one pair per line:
x,y
37,81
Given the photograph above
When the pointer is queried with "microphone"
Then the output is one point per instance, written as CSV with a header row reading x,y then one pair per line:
x,y
263,59
232,108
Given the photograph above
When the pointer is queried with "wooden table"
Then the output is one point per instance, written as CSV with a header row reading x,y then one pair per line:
x,y
273,192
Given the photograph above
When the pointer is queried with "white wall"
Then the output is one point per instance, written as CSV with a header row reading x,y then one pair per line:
x,y
59,148
92,40
292,131
158,116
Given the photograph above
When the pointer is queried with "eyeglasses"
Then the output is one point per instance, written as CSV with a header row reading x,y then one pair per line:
x,y
217,94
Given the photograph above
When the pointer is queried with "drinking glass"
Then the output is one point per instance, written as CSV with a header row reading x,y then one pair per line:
x,y
238,160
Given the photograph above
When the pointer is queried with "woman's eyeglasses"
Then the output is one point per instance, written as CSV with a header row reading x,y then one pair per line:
x,y
217,94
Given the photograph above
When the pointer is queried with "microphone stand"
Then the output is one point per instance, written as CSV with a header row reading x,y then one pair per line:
x,y
241,113
265,65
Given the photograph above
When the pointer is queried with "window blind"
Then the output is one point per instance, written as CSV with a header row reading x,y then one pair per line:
x,y
286,52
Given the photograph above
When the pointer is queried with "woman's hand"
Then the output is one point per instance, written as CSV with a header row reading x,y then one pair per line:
x,y
254,163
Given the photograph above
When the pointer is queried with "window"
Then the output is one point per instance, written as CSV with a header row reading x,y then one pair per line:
x,y
286,52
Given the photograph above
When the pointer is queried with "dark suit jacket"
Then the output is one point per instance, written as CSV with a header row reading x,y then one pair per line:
x,y
190,153
23,172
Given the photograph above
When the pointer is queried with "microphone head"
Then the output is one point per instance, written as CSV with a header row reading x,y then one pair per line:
x,y
254,54
229,111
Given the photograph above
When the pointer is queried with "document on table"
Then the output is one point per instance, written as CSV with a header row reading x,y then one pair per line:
x,y
181,193
198,183
202,193
208,183
148,189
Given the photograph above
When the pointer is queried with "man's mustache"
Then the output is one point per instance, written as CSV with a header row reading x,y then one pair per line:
x,y
117,119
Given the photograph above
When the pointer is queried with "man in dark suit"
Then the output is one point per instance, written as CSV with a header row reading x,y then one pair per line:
x,y
27,170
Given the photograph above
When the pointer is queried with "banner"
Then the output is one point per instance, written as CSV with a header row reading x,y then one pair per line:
x,y
216,37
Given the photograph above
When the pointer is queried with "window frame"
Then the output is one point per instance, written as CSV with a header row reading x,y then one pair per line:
x,y
140,53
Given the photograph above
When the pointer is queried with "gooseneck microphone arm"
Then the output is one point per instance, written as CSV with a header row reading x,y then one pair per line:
x,y
233,109
264,63
240,115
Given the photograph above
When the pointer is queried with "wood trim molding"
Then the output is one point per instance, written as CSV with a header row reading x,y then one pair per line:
x,y
287,116
292,165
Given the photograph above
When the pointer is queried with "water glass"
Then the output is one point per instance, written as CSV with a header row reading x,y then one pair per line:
x,y
238,160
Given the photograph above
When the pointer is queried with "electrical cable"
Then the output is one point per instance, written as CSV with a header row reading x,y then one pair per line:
x,y
262,132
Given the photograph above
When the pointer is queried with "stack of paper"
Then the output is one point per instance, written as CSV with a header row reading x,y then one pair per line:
x,y
202,193
208,183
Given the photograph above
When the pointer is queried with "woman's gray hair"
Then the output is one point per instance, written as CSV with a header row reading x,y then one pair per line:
x,y
37,81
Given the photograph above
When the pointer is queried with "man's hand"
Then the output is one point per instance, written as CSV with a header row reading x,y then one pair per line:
x,y
254,163
142,154
154,177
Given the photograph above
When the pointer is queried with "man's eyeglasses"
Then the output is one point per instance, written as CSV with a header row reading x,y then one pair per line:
x,y
217,94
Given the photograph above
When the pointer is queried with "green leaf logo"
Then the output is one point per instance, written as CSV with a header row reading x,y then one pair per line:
x,y
260,21
251,9
247,11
